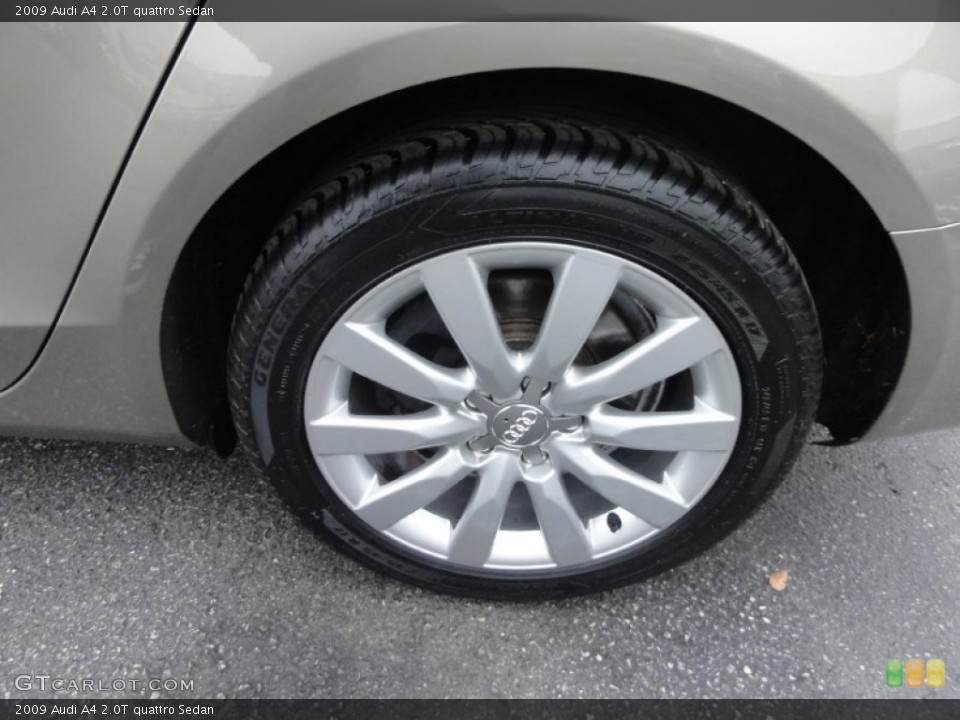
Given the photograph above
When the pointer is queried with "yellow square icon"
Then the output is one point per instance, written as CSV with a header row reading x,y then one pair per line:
x,y
936,672
914,673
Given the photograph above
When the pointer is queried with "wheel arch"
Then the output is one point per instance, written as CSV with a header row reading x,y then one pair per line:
x,y
858,284
240,96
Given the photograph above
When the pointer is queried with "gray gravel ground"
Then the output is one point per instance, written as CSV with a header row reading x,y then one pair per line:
x,y
121,561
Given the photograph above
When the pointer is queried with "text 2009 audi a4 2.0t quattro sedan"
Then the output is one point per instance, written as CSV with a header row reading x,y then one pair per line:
x,y
513,310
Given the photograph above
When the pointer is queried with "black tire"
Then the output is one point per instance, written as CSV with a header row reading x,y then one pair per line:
x,y
590,185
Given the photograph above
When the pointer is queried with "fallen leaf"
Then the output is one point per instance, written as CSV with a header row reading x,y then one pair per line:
x,y
778,580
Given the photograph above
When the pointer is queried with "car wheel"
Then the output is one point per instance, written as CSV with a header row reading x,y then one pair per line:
x,y
524,359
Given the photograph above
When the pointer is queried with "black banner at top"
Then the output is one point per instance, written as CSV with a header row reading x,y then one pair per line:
x,y
478,10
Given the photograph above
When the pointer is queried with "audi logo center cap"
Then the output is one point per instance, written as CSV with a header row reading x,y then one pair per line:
x,y
520,425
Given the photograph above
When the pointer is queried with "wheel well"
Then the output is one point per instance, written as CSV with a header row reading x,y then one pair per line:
x,y
850,263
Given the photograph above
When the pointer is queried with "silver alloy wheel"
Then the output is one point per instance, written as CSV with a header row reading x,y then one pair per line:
x,y
594,478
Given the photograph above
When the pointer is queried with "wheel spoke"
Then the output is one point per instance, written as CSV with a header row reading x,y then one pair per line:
x,y
701,429
677,345
657,503
386,505
472,538
458,289
366,349
582,289
562,528
342,433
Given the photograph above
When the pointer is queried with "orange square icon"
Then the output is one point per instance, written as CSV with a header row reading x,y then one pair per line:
x,y
914,673
935,673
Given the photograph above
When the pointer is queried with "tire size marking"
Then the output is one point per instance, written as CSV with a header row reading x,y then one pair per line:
x,y
748,321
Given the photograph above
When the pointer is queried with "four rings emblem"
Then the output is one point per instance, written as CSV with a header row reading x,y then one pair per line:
x,y
520,425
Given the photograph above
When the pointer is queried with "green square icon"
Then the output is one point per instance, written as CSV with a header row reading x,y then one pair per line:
x,y
894,673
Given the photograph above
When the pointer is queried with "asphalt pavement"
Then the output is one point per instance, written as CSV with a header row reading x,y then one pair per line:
x,y
133,563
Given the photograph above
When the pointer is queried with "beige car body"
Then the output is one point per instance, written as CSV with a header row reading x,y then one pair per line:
x,y
119,139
